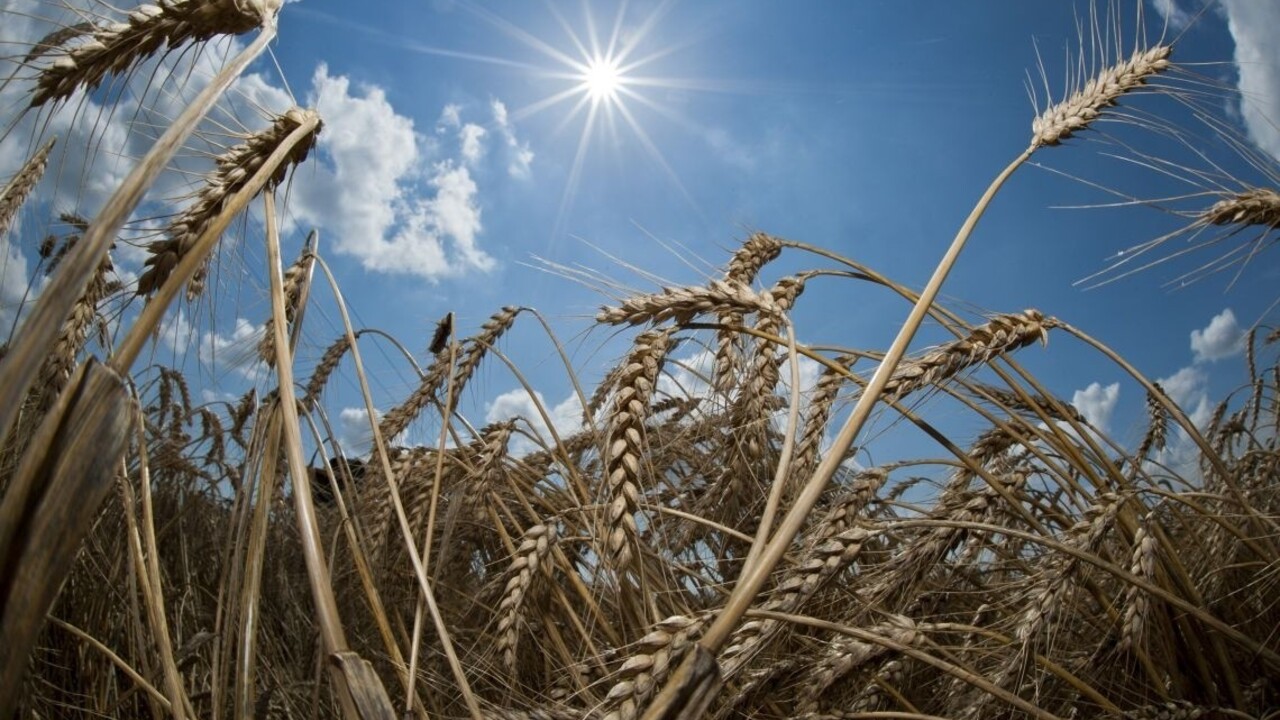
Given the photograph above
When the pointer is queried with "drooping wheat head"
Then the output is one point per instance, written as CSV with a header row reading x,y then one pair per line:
x,y
112,48
233,169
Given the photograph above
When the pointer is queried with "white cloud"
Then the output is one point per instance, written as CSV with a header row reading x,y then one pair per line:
x,y
1252,24
1189,389
472,138
237,351
450,117
1096,403
13,284
1222,338
520,156
372,190
354,431
1174,15
566,416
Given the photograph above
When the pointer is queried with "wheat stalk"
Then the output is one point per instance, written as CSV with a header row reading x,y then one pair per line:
x,y
114,48
1103,90
233,170
15,192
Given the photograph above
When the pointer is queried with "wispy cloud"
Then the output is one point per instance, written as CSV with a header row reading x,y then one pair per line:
x,y
1172,14
471,136
235,351
520,156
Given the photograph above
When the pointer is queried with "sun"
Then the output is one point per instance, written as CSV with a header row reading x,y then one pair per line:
x,y
602,79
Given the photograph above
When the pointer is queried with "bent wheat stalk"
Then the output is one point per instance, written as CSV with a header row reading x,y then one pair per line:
x,y
34,340
233,170
267,173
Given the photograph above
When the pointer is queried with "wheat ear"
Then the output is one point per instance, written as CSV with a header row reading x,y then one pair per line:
x,y
72,336
295,278
759,250
233,170
114,48
15,192
1158,427
1137,602
684,304
399,417
324,369
847,654
624,444
1258,206
1001,335
655,658
1103,90
528,560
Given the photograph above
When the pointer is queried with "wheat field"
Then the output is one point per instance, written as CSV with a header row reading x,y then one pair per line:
x,y
706,549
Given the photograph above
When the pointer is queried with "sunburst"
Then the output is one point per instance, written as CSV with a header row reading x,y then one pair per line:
x,y
602,81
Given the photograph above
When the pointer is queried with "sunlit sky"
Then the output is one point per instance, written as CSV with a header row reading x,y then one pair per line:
x,y
468,146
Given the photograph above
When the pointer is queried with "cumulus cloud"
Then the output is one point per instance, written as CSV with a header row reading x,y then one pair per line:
x,y
235,351
1096,403
1221,338
1188,388
566,416
1252,25
373,188
354,432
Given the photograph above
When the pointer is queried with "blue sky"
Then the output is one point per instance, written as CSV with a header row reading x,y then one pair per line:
x,y
868,128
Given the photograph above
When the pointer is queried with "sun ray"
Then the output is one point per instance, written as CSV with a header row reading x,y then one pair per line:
x,y
575,172
412,45
543,104
523,36
659,158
